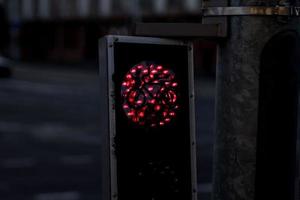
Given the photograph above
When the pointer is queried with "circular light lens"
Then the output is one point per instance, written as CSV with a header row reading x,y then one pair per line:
x,y
150,95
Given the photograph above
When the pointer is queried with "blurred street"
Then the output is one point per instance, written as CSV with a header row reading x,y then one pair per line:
x,y
50,138
50,102
49,135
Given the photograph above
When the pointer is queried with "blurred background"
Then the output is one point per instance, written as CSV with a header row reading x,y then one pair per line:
x,y
49,92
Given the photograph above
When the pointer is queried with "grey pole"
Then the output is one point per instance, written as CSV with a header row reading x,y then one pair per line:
x,y
237,100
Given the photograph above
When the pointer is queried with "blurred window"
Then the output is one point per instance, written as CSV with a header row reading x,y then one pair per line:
x,y
147,6
175,5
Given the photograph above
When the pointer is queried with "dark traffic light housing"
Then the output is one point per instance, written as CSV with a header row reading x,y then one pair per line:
x,y
147,122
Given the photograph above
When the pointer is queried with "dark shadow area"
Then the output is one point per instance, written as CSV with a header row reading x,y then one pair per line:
x,y
277,120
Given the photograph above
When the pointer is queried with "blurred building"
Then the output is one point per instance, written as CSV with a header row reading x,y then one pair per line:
x,y
68,30
86,9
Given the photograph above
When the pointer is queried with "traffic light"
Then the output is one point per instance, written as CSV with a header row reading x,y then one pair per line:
x,y
147,119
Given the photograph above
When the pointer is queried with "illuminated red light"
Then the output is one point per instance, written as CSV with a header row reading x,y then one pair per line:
x,y
167,83
174,98
166,71
135,119
174,84
152,101
150,88
157,107
132,82
147,80
149,94
141,114
167,120
128,76
131,113
154,71
125,106
133,94
165,114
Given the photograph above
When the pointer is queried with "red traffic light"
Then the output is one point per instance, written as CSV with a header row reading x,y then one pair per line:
x,y
147,115
149,93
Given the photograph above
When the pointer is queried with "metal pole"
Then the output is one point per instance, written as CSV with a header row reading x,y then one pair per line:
x,y
237,104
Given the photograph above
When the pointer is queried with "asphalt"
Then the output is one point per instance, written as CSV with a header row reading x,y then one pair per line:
x,y
50,137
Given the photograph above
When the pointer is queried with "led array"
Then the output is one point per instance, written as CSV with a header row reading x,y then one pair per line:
x,y
149,93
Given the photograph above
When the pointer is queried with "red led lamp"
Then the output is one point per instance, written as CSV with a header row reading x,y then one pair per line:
x,y
149,94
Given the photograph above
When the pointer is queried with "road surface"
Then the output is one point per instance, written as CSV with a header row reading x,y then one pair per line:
x,y
50,138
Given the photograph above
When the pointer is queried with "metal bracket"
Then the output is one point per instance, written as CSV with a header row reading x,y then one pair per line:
x,y
251,11
222,21
184,30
